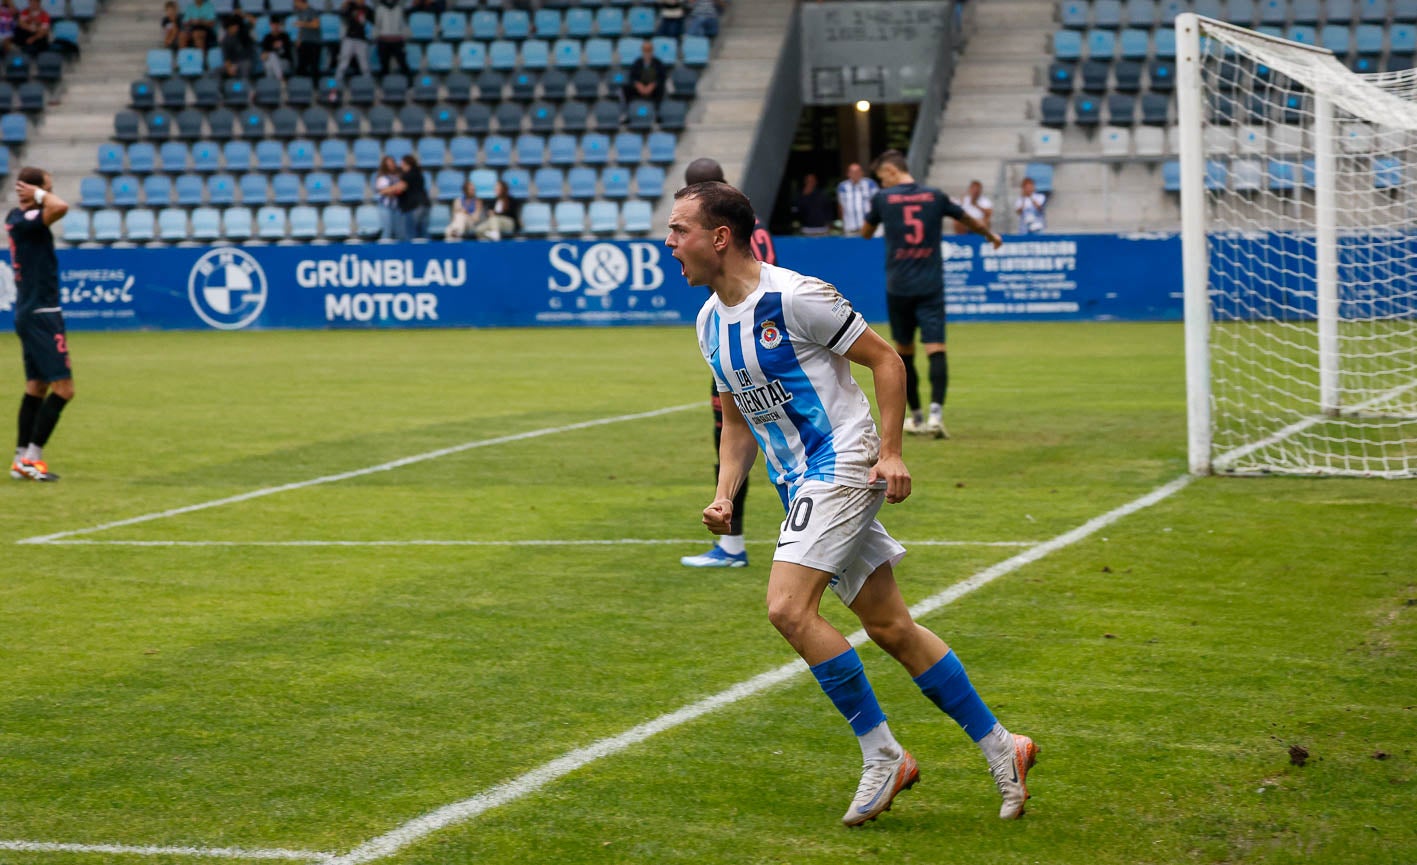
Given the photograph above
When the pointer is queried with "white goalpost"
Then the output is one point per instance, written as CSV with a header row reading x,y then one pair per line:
x,y
1299,237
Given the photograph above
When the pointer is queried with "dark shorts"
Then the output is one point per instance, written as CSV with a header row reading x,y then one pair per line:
x,y
45,345
911,311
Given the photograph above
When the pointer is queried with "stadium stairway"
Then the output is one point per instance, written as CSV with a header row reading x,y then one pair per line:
x,y
731,95
95,87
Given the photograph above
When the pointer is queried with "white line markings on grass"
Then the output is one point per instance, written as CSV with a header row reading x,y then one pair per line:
x,y
207,852
509,791
344,476
563,542
523,785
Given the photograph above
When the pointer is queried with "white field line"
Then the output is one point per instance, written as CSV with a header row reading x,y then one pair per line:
x,y
91,542
344,476
523,785
1232,456
207,852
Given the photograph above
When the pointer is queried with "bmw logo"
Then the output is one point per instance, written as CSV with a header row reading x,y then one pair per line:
x,y
227,288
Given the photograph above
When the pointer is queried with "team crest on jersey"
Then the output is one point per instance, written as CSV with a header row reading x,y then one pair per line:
x,y
768,334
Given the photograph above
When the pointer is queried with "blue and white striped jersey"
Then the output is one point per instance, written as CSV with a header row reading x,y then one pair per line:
x,y
778,353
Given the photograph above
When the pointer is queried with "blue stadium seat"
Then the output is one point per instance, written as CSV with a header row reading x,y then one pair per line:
x,y
221,189
575,117
1402,39
649,181
368,224
1121,110
580,23
599,53
566,54
236,155
1155,109
1217,174
334,154
300,154
337,220
535,54
1387,172
595,148
191,63
604,217
319,188
142,94
1061,76
139,226
270,156
661,148
206,156
555,85
666,49
497,151
582,182
1303,34
1067,45
516,23
159,63
485,24
615,182
124,189
1101,44
549,182
1305,11
641,20
547,23
1336,38
423,27
694,51
448,183
1168,10
1053,112
609,22
570,218
83,10
174,157
1211,9
472,56
457,87
439,58
1106,14
108,226
304,223
271,223
111,158
1141,13
1338,11
502,55
172,225
1283,175
1135,44
93,193
627,50
1127,74
1368,39
1241,12
536,219
76,227
431,152
157,190
1095,75
477,118
206,92
254,189
398,147
530,150
393,89
1373,11
1075,14
628,147
462,151
1041,173
349,187
1161,76
484,182
413,120
1087,110
518,182
189,190
1171,175
1164,44
638,217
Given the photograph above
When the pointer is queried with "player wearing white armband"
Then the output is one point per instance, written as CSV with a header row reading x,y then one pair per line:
x,y
780,346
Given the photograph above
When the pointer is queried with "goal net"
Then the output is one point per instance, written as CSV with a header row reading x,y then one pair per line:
x,y
1299,214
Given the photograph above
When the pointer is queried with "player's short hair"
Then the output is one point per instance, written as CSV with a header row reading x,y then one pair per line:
x,y
894,158
31,175
702,170
721,205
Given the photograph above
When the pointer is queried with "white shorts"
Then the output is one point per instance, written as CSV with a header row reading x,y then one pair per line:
x,y
834,529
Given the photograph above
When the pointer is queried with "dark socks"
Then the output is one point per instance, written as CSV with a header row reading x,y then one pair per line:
x,y
912,382
29,410
939,377
48,417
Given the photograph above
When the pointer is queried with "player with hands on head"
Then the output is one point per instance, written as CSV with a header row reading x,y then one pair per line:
x,y
781,346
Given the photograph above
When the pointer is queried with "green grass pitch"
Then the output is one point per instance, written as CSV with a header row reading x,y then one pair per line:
x,y
310,698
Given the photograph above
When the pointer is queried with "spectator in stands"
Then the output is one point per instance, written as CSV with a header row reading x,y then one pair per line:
x,y
1029,207
412,192
236,51
32,28
853,199
468,213
171,25
813,208
8,13
977,205
307,40
703,18
390,33
199,24
276,50
647,76
671,18
502,215
390,227
355,44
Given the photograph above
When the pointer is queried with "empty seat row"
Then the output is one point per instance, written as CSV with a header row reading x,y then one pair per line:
x,y
31,96
1121,110
1101,76
586,85
1115,14
336,222
1114,141
1106,45
1277,175
544,23
316,122
321,187
48,68
334,154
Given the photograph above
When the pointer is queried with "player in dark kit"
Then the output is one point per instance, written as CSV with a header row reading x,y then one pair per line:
x,y
730,551
49,382
915,283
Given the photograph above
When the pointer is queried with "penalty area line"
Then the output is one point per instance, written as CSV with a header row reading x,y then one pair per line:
x,y
198,852
562,542
524,785
369,470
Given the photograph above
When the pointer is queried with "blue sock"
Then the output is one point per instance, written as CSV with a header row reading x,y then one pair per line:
x,y
844,680
947,686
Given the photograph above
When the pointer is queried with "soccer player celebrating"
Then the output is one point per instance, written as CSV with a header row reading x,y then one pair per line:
x,y
731,550
780,346
49,383
915,285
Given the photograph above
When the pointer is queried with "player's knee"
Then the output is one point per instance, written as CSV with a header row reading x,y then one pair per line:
x,y
892,635
63,388
788,616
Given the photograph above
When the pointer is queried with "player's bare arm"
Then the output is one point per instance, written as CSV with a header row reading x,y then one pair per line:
x,y
736,453
868,230
52,207
873,352
982,230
